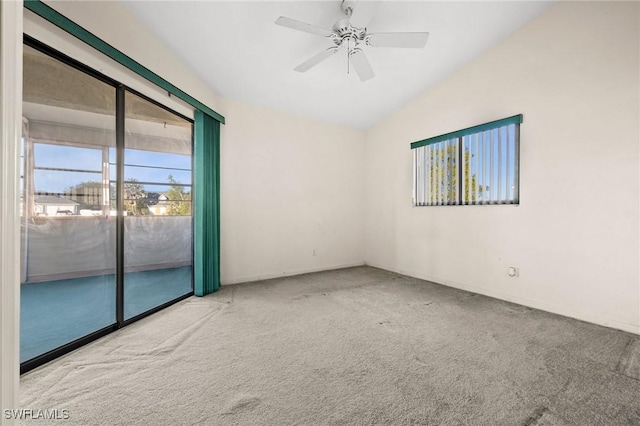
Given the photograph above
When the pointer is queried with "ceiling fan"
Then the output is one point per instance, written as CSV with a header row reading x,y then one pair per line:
x,y
351,38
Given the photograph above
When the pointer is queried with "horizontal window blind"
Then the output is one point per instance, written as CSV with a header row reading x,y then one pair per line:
x,y
477,165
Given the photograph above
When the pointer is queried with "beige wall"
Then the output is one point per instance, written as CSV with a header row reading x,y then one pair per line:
x,y
574,74
290,186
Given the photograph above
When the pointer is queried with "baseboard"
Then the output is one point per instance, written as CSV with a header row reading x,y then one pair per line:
x,y
537,304
268,276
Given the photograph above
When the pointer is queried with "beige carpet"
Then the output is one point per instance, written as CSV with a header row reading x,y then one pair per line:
x,y
357,346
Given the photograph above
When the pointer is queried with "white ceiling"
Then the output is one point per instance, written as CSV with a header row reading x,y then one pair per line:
x,y
235,47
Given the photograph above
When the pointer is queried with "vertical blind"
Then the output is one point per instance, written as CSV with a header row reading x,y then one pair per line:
x,y
477,165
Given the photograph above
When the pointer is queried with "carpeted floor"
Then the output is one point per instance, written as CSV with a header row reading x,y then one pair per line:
x,y
357,346
53,313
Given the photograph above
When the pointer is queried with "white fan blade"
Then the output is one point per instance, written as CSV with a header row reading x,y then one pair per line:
x,y
361,65
302,26
312,62
416,40
363,12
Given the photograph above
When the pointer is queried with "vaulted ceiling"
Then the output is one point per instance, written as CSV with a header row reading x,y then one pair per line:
x,y
235,47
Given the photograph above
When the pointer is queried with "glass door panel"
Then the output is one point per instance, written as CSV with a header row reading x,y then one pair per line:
x,y
68,232
157,206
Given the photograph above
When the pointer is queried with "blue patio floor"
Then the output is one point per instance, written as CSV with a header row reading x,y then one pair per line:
x,y
54,313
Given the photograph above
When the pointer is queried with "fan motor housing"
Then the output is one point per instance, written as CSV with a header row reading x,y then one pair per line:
x,y
348,32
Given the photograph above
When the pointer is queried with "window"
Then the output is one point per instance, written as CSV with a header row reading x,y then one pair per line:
x,y
473,166
67,179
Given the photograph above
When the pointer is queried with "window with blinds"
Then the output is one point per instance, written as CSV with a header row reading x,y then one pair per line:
x,y
474,166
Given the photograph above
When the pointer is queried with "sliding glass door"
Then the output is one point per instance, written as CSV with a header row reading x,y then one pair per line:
x,y
105,205
157,203
68,234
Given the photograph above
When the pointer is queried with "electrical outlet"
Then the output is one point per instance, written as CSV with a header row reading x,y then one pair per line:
x,y
313,253
513,272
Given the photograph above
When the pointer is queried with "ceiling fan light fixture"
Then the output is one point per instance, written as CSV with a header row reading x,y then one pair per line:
x,y
342,31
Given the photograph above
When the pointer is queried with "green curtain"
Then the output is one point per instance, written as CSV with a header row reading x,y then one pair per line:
x,y
206,215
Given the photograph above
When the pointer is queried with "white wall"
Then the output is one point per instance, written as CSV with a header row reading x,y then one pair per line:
x,y
574,74
290,186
